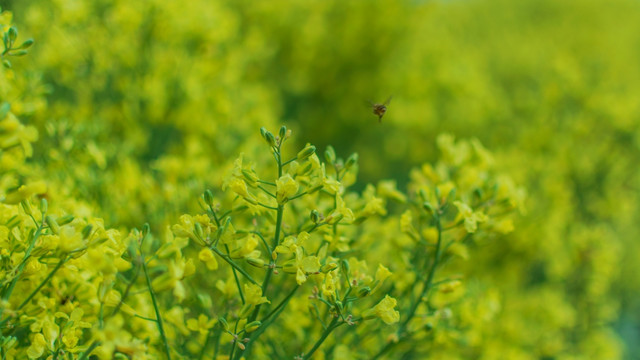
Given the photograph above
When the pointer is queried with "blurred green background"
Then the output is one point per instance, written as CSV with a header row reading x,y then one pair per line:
x,y
151,99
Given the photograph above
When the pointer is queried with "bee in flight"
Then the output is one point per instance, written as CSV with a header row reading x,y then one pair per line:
x,y
380,109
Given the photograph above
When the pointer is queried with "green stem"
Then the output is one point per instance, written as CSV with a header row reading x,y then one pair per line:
x,y
85,355
266,182
206,343
289,161
43,283
234,265
334,324
425,289
270,318
282,303
429,280
126,291
235,275
216,347
157,310
297,196
267,191
263,241
7,294
267,206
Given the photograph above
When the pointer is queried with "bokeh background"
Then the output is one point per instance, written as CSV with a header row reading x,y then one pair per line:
x,y
151,100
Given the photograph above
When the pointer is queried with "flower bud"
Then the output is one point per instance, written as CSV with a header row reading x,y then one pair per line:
x,y
44,205
352,160
306,152
330,155
363,291
250,177
26,206
13,34
208,197
197,229
27,44
450,286
427,206
259,263
53,225
315,216
86,232
271,140
283,132
64,220
328,267
305,168
252,326
146,229
344,264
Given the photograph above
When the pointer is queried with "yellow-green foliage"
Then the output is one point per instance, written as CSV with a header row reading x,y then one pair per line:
x,y
128,111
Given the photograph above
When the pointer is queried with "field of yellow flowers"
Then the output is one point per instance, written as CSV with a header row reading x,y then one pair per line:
x,y
207,179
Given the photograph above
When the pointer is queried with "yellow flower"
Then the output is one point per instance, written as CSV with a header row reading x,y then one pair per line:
x,y
203,324
26,191
471,218
207,257
253,294
382,273
38,345
285,188
329,287
384,310
70,239
239,187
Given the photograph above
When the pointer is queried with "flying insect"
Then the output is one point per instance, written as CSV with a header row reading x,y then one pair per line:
x,y
380,109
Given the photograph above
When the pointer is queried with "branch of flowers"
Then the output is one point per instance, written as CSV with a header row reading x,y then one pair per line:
x,y
425,289
36,235
44,282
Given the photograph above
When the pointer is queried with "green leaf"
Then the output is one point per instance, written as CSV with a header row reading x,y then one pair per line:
x,y
13,34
